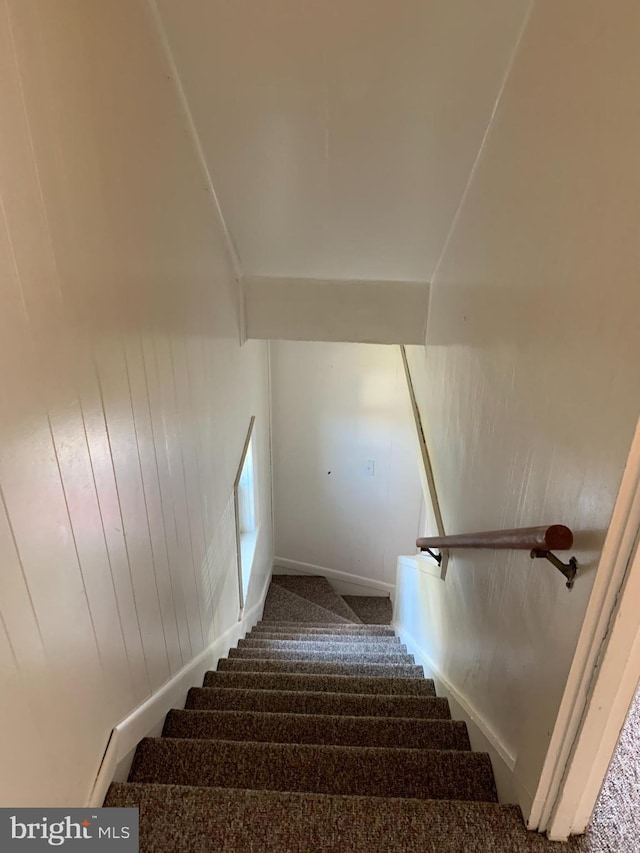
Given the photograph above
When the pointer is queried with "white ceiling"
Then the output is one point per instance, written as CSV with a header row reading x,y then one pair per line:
x,y
340,134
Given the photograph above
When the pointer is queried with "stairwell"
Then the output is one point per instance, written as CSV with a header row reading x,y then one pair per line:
x,y
318,733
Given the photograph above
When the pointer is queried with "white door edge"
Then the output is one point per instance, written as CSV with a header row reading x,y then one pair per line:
x,y
603,677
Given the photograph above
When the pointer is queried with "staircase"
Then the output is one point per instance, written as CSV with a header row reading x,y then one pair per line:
x,y
318,733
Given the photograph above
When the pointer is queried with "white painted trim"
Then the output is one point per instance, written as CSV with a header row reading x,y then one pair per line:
x,y
140,722
481,735
346,577
425,564
106,772
424,659
242,309
236,513
270,387
232,252
304,309
603,677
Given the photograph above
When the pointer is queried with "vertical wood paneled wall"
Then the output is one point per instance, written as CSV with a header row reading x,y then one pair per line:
x,y
531,379
124,395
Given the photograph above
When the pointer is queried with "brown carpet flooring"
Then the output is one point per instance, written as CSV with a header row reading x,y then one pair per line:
x,y
211,820
320,681
316,701
283,604
322,667
331,654
372,609
339,730
308,637
319,733
319,591
615,825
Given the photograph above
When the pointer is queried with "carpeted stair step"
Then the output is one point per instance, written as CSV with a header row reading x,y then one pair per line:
x,y
318,590
299,637
281,603
368,771
318,682
303,646
371,609
202,820
307,702
321,667
339,656
316,729
324,628
318,732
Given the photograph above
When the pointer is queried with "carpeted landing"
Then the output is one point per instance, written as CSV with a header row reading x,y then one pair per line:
x,y
318,733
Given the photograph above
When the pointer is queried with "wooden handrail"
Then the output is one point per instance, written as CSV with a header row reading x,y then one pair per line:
x,y
556,537
539,541
422,444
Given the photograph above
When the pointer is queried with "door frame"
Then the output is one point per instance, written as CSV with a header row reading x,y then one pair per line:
x,y
603,677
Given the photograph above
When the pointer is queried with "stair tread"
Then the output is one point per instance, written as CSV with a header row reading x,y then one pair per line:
x,y
325,667
318,732
280,601
343,647
318,702
321,681
187,819
336,729
370,771
317,589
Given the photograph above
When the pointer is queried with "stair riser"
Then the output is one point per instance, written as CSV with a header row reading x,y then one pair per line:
x,y
293,681
424,774
324,667
315,646
297,637
371,609
346,657
310,729
323,628
302,702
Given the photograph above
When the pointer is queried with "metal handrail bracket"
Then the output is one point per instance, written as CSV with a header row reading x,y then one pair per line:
x,y
569,570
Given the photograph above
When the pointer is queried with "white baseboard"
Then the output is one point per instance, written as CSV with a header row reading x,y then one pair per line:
x,y
344,582
146,720
483,738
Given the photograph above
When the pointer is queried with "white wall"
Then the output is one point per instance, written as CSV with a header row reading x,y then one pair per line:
x,y
124,396
378,312
335,407
341,134
531,381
